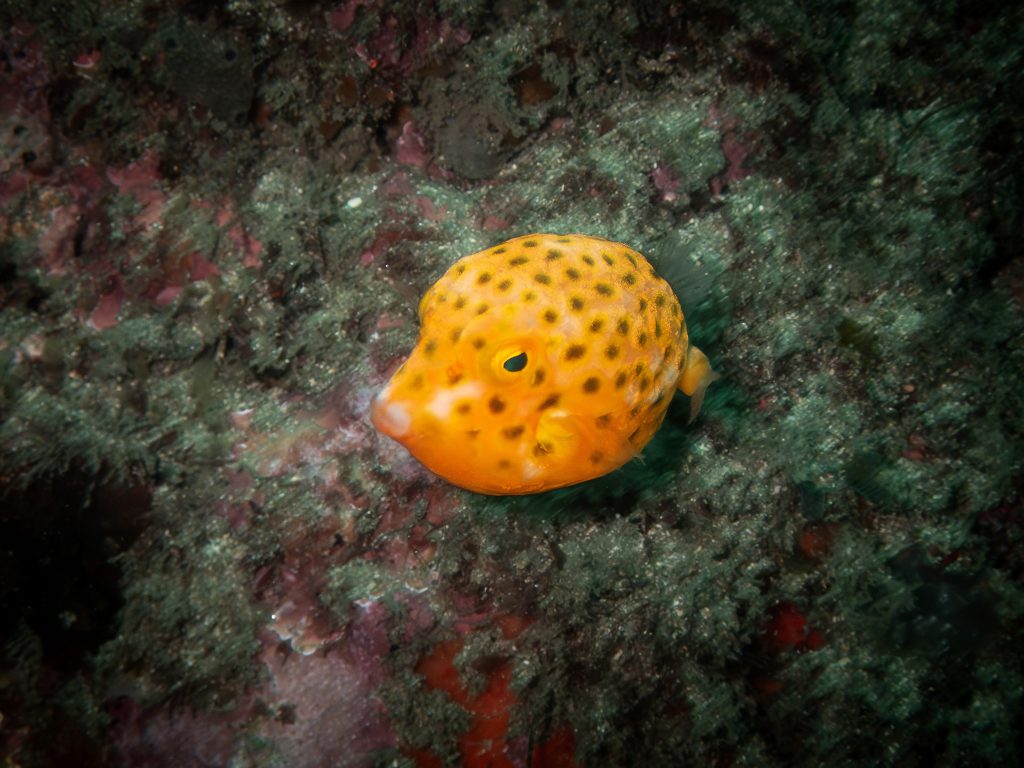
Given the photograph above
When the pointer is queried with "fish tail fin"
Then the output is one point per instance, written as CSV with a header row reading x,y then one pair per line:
x,y
695,378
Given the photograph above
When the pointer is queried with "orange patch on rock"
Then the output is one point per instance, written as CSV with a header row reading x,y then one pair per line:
x,y
484,744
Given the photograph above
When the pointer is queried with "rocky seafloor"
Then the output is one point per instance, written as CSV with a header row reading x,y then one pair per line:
x,y
215,224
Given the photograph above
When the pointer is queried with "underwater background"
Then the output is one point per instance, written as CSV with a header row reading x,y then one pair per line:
x,y
216,221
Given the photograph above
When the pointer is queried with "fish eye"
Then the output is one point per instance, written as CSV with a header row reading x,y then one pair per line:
x,y
516,363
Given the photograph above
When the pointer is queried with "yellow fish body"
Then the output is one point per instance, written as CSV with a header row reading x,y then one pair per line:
x,y
542,362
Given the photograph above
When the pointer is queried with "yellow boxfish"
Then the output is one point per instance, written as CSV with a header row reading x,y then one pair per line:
x,y
542,362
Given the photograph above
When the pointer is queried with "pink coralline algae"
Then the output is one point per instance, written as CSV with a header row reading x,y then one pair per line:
x,y
166,736
108,307
66,211
315,710
141,180
393,48
410,148
342,17
330,712
24,115
666,183
244,243
737,146
87,61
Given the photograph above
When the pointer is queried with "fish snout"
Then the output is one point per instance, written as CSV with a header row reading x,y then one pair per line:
x,y
389,417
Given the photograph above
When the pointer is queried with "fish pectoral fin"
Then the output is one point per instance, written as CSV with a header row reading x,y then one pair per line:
x,y
695,378
558,435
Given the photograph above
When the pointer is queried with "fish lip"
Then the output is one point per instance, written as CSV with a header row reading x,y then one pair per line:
x,y
390,418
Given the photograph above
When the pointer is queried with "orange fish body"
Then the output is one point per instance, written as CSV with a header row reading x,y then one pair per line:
x,y
542,362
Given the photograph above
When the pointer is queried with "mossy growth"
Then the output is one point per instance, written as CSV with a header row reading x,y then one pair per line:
x,y
835,199
188,629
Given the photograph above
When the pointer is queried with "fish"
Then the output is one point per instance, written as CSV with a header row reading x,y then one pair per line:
x,y
542,362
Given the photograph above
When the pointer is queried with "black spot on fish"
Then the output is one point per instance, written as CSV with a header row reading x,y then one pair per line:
x,y
549,402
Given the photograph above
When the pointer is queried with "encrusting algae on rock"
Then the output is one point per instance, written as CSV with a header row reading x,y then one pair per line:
x,y
542,362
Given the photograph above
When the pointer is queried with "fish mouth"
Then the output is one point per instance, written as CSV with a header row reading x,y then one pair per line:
x,y
390,418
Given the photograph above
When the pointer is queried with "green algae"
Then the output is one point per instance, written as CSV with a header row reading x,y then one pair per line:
x,y
853,285
189,597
